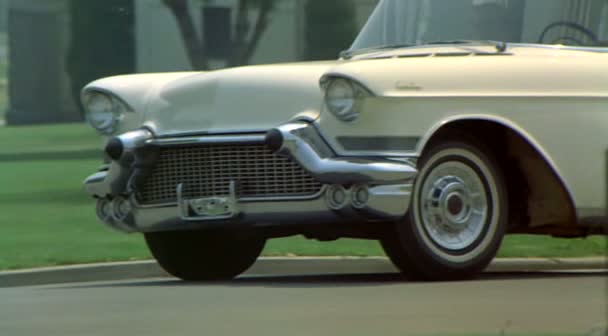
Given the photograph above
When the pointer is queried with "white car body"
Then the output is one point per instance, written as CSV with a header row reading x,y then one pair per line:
x,y
554,98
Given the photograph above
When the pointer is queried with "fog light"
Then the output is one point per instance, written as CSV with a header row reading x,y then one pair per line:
x,y
360,196
336,197
104,210
121,209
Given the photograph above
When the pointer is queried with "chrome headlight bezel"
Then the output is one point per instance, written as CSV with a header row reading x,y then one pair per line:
x,y
103,111
344,97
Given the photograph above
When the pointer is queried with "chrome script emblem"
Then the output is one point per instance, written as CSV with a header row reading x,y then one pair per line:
x,y
407,86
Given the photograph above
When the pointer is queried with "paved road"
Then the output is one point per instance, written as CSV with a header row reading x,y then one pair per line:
x,y
376,304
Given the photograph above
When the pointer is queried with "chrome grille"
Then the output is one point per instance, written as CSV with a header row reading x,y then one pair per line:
x,y
207,170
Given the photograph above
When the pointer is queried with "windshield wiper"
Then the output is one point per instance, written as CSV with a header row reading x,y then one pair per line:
x,y
499,45
346,54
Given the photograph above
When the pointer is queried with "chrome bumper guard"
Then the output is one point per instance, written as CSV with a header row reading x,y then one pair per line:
x,y
355,189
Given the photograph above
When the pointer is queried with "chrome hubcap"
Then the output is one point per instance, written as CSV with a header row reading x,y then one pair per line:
x,y
454,205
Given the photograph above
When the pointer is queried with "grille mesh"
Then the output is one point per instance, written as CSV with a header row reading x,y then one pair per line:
x,y
207,171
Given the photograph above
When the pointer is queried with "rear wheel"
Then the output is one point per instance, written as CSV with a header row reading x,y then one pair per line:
x,y
204,255
457,216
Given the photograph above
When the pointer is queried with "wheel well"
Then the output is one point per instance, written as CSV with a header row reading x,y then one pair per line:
x,y
538,200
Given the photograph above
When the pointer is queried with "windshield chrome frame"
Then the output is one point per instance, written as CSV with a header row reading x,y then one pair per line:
x,y
351,52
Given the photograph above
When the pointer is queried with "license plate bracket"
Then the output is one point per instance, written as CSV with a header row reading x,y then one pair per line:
x,y
208,208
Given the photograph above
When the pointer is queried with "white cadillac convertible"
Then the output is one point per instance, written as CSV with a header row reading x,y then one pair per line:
x,y
445,126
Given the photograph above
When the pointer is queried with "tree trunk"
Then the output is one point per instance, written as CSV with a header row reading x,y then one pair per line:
x,y
242,47
194,45
259,29
242,28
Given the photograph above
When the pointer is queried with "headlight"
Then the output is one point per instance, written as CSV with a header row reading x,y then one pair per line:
x,y
343,98
102,112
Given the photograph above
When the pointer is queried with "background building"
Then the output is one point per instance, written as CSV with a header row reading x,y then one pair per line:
x,y
38,43
56,46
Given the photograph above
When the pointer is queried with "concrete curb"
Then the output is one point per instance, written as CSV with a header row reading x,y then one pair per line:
x,y
277,266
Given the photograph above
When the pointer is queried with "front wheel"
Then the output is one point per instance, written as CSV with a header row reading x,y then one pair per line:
x,y
204,255
457,217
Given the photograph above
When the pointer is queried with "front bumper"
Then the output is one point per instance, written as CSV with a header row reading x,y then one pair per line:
x,y
354,190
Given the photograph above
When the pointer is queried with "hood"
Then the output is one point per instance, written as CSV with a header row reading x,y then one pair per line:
x,y
246,99
480,71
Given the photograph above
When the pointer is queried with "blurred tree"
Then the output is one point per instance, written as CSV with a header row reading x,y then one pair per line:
x,y
102,41
244,41
330,27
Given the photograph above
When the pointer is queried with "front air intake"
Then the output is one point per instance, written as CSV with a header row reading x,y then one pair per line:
x,y
207,170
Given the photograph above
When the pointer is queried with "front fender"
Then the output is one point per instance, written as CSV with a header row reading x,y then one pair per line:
x,y
135,92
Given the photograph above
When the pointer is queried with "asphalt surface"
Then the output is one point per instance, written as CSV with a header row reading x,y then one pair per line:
x,y
364,304
268,266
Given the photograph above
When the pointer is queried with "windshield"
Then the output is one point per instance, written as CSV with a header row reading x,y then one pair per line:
x,y
415,22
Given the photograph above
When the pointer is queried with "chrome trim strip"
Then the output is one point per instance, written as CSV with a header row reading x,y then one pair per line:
x,y
560,47
138,205
301,142
242,200
389,155
389,200
96,185
278,213
196,134
306,116
386,202
285,198
442,54
108,182
378,143
208,139
510,45
135,139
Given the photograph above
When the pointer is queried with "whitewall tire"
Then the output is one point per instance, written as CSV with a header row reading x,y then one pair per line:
x,y
457,216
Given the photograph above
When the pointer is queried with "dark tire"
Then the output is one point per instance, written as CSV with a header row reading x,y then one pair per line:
x,y
203,255
458,214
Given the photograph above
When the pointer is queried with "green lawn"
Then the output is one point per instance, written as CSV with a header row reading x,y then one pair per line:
x,y
507,333
3,78
3,95
47,219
